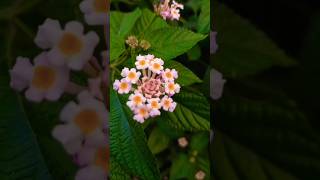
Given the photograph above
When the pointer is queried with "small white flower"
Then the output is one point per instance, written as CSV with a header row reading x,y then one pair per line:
x,y
200,175
168,104
183,142
131,75
216,84
95,11
141,113
123,87
142,62
170,75
135,100
95,162
156,65
172,88
175,14
69,46
45,80
154,105
83,121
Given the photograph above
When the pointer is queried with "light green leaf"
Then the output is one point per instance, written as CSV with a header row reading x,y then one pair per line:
x,y
158,141
192,112
186,76
19,153
168,43
128,143
243,49
203,25
122,23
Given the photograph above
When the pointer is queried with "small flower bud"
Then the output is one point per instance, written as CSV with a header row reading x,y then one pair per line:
x,y
145,45
133,42
192,159
183,142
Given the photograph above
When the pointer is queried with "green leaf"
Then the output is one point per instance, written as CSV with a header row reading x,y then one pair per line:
x,y
192,112
158,141
122,23
203,25
243,49
194,54
186,76
168,43
117,172
182,168
117,46
128,143
147,22
19,153
199,141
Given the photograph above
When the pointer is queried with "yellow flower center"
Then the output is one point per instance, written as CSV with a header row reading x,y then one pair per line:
x,y
123,85
101,158
131,75
43,77
168,75
101,6
167,103
154,104
142,62
143,111
87,120
137,100
156,66
171,86
70,44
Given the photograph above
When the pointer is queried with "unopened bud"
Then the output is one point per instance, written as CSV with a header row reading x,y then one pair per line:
x,y
200,175
133,42
183,142
145,45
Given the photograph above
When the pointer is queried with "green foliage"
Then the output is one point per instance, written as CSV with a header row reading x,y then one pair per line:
x,y
158,141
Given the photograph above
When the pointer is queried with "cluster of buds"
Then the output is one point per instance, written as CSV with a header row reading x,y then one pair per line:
x,y
134,43
152,91
168,10
83,128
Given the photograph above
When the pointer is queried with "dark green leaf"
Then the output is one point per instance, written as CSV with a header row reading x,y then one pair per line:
x,y
158,141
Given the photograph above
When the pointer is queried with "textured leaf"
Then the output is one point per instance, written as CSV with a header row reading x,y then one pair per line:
x,y
191,114
147,22
171,42
122,23
117,46
116,171
182,168
20,156
186,76
243,49
158,141
128,143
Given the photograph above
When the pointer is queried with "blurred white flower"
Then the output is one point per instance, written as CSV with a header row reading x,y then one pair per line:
x,y
95,162
83,122
156,65
216,84
142,62
183,142
69,46
171,88
141,113
95,11
154,105
200,175
131,75
168,104
170,75
167,10
43,79
136,100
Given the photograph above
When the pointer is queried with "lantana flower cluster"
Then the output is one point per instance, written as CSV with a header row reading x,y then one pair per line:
x,y
168,10
83,128
151,87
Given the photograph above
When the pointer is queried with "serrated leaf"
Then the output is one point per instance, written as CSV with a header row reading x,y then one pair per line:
x,y
147,22
168,43
128,144
122,23
117,172
117,46
192,112
186,76
19,153
158,141
243,49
